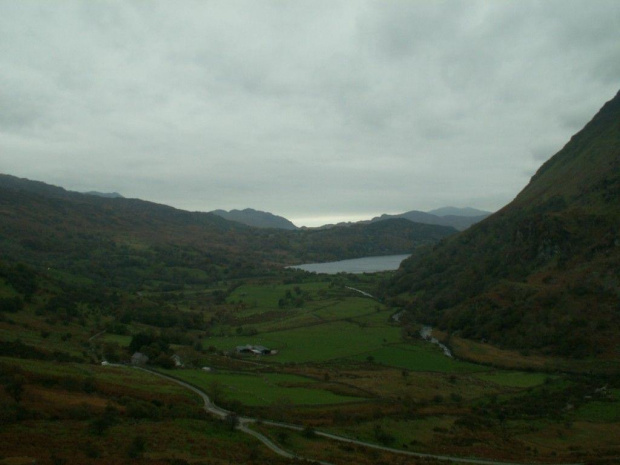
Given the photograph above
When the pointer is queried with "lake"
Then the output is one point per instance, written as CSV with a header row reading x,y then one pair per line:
x,y
356,265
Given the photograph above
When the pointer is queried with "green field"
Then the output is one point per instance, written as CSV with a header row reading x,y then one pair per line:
x,y
518,379
266,296
117,339
601,411
263,389
419,356
316,343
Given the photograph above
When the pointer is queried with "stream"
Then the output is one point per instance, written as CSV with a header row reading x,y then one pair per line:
x,y
426,334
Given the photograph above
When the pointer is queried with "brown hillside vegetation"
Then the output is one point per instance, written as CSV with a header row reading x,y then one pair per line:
x,y
543,273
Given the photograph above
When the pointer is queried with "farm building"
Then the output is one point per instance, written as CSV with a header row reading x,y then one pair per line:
x,y
250,349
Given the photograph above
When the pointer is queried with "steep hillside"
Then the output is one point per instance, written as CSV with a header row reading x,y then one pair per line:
x,y
544,272
255,218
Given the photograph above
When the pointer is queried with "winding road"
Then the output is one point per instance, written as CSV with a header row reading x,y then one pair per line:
x,y
243,423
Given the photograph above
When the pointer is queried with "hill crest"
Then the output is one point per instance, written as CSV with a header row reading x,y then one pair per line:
x,y
256,218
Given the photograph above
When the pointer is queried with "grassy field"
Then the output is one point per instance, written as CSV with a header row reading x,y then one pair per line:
x,y
518,379
265,388
266,296
119,339
419,356
315,343
607,411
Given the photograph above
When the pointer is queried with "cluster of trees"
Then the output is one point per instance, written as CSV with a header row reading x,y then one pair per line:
x,y
288,300
20,277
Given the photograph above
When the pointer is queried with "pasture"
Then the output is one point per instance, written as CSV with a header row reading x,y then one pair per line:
x,y
263,389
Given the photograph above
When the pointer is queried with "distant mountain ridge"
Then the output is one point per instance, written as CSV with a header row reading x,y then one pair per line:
x,y
125,242
543,273
256,218
455,211
459,222
108,195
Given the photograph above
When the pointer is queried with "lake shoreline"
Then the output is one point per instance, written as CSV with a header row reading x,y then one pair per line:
x,y
374,264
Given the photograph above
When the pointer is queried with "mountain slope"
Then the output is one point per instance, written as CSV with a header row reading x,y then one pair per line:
x,y
544,272
255,218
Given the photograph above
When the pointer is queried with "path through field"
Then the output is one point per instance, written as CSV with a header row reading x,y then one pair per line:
x,y
213,409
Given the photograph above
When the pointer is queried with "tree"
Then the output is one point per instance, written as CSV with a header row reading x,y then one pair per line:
x,y
231,421
216,392
308,432
164,361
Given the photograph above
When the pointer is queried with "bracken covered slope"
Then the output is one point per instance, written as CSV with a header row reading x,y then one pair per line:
x,y
543,273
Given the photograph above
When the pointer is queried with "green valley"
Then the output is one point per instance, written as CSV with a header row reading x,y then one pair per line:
x,y
119,316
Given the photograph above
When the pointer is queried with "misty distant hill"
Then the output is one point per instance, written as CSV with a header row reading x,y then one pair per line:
x,y
256,218
455,211
132,243
459,222
107,195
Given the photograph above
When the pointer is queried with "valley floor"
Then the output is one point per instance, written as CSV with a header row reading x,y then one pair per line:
x,y
340,365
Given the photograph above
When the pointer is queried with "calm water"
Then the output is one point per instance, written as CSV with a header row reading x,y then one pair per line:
x,y
357,265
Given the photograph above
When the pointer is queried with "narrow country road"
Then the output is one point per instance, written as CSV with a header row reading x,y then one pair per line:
x,y
213,409
365,294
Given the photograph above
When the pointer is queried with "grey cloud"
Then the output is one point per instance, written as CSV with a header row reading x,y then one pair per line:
x,y
301,108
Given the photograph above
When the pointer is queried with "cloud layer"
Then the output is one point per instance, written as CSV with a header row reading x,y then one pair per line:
x,y
308,109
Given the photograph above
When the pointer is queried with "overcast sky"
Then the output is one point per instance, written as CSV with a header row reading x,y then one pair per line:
x,y
318,111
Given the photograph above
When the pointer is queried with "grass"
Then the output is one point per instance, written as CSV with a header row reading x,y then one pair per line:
x,y
49,368
408,434
418,357
258,390
119,339
189,439
490,355
381,318
517,379
350,308
110,379
317,343
601,411
266,296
